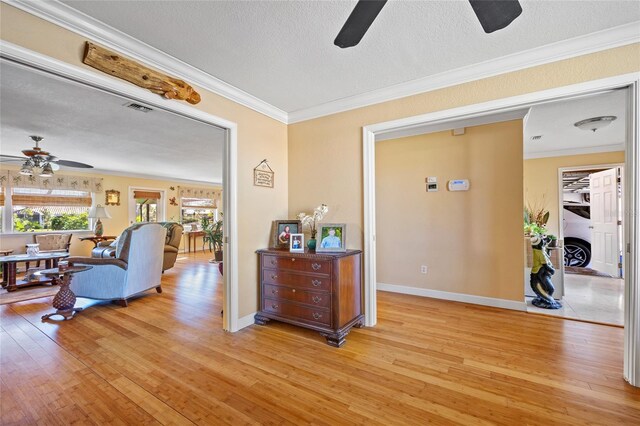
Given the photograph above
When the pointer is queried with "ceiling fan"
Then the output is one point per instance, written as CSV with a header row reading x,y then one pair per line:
x,y
39,162
493,15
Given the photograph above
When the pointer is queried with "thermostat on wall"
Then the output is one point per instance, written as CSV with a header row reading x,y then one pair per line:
x,y
458,185
432,184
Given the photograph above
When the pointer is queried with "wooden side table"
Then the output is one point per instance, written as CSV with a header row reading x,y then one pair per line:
x,y
95,240
65,300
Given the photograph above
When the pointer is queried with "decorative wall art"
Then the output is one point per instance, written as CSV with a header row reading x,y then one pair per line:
x,y
112,197
263,175
116,65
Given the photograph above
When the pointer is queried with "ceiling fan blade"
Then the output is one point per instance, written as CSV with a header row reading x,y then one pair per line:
x,y
12,157
358,22
495,14
68,163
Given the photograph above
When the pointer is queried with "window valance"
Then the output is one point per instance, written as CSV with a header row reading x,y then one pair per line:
x,y
75,183
203,193
148,195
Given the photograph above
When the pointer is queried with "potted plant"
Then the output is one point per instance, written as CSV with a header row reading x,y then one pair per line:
x,y
553,240
311,221
213,236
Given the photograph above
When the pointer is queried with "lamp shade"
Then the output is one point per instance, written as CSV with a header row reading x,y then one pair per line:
x,y
99,212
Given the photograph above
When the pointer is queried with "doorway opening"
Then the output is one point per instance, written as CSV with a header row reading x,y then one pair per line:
x,y
574,198
124,94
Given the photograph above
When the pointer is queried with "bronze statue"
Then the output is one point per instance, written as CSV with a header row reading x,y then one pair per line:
x,y
541,273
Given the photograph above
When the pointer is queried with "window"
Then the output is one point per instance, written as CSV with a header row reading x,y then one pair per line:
x,y
194,209
147,205
49,209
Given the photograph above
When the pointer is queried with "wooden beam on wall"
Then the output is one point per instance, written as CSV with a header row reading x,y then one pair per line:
x,y
117,65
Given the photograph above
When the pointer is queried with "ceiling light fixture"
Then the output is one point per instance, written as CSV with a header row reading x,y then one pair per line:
x,y
47,171
595,123
27,169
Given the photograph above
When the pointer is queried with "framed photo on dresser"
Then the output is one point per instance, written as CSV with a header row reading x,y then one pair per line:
x,y
296,243
281,231
333,237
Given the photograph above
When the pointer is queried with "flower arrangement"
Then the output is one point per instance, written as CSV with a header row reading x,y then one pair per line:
x,y
310,221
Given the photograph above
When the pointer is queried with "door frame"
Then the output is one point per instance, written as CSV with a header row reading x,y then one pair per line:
x,y
59,69
632,179
561,170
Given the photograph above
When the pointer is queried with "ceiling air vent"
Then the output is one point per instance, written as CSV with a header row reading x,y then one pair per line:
x,y
138,107
536,137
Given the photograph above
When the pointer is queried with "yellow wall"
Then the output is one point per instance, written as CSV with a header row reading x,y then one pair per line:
x,y
469,240
259,137
325,154
541,179
119,214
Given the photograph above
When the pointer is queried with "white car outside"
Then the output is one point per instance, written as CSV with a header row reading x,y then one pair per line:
x,y
577,235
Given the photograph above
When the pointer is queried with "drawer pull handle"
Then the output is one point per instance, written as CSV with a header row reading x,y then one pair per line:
x,y
274,306
274,291
273,277
293,259
317,315
316,299
293,290
316,266
273,261
316,283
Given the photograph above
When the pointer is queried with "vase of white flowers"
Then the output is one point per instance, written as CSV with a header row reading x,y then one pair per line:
x,y
310,221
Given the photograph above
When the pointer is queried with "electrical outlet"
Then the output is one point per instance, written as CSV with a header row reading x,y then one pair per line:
x,y
423,269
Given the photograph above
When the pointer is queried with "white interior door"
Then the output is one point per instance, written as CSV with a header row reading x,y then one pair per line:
x,y
604,221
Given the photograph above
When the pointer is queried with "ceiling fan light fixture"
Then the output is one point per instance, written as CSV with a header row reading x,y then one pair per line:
x,y
36,170
595,123
26,169
47,171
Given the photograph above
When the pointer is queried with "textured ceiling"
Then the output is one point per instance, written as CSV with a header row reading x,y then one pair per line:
x,y
94,127
282,52
555,122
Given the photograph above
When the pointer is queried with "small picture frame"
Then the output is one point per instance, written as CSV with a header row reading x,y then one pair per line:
x,y
112,197
332,237
281,231
296,243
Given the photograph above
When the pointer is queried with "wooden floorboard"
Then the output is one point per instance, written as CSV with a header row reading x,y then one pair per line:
x,y
165,360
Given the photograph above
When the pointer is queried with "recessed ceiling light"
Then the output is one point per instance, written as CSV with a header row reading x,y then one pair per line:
x,y
595,123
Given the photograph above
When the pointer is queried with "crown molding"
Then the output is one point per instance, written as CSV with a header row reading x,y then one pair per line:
x,y
578,46
574,151
73,20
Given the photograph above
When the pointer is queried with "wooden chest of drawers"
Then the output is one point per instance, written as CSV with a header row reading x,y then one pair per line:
x,y
320,291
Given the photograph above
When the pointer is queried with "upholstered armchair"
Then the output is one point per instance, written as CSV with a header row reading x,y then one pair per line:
x,y
136,267
52,243
171,246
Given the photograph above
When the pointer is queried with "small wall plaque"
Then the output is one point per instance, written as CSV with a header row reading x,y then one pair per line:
x,y
263,175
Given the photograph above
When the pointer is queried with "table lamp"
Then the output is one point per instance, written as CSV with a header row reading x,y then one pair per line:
x,y
99,212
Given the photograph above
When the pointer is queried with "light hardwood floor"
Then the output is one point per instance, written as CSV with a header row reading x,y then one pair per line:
x,y
165,360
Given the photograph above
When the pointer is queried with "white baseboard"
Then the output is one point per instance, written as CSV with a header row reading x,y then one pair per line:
x,y
246,321
455,297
